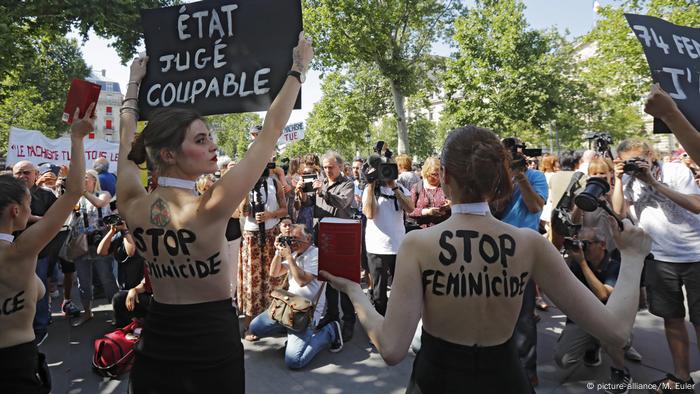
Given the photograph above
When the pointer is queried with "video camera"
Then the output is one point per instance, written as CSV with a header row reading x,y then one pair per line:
x,y
591,198
379,166
602,143
519,153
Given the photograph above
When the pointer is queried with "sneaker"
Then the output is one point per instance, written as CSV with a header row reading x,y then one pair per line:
x,y
633,355
620,380
672,385
336,345
593,358
69,309
347,331
40,337
540,304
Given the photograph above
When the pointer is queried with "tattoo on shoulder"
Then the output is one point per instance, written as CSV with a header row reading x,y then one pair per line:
x,y
160,213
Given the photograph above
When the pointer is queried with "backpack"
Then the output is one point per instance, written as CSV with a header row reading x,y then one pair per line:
x,y
114,353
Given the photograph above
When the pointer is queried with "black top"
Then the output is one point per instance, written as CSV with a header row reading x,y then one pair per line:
x,y
233,229
607,273
130,270
42,200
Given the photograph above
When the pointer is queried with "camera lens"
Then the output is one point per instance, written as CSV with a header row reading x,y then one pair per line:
x,y
588,199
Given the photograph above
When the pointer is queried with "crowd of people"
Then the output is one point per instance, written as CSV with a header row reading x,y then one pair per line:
x,y
484,231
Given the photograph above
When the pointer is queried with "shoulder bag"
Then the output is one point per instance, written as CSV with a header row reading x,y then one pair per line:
x,y
292,311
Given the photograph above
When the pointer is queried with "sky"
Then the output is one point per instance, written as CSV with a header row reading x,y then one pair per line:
x,y
573,16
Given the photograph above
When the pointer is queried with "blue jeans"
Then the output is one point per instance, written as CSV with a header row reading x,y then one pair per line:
x,y
302,347
42,315
104,267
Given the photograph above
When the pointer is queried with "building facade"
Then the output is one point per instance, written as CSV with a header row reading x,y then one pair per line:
x,y
107,110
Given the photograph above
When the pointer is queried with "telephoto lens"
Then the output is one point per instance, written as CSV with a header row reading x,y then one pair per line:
x,y
589,199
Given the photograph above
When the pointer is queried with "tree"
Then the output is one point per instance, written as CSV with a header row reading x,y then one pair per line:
x,y
232,131
508,77
393,35
351,101
21,24
33,94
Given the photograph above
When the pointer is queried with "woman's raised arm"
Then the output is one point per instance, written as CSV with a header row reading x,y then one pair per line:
x,y
222,198
129,184
37,236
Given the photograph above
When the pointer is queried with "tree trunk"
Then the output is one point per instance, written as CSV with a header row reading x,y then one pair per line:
x,y
401,124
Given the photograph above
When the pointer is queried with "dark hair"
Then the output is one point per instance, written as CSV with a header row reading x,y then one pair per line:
x,y
568,160
478,162
12,191
166,129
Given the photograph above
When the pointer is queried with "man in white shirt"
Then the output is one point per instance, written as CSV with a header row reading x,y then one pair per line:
x,y
300,262
665,201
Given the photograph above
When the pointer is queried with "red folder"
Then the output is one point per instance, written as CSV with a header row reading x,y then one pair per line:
x,y
339,247
81,95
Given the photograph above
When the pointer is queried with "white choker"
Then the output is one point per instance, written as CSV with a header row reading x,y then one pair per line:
x,y
165,181
7,237
475,208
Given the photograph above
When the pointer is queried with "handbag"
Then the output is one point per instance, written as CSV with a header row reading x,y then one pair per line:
x,y
114,353
292,311
75,246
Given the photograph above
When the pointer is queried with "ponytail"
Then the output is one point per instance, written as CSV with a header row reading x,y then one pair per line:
x,y
138,150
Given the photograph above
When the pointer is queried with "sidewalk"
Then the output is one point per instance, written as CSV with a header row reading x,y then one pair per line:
x,y
358,368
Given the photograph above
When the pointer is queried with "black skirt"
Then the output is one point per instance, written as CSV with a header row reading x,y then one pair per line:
x,y
443,367
23,370
189,349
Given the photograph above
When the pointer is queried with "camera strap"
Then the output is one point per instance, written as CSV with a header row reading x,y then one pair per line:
x,y
396,203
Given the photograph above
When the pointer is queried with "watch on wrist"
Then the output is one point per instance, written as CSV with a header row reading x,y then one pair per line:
x,y
301,77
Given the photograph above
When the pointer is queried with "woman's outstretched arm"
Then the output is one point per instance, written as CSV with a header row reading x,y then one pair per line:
x,y
222,198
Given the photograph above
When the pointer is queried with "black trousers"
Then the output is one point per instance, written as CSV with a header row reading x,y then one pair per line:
x,y
381,266
525,334
123,316
23,370
332,310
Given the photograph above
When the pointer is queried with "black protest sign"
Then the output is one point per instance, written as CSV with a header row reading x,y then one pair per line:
x,y
218,56
673,54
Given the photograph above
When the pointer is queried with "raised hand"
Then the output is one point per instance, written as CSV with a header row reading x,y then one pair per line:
x,y
85,125
659,104
138,69
302,54
633,241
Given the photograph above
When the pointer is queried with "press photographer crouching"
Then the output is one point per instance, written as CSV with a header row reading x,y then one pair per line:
x,y
383,203
119,243
297,257
594,265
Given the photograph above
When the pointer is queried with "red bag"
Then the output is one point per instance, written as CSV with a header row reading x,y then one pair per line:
x,y
114,353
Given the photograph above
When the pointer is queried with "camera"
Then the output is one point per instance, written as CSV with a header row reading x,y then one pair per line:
x,y
286,240
112,220
631,167
308,183
519,153
379,166
268,167
602,143
589,199
572,244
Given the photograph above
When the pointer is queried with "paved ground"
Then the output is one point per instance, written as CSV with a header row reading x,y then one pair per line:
x,y
357,369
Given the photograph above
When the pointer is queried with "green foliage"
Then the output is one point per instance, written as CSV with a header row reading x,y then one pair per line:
x,y
394,36
351,101
21,23
34,93
232,131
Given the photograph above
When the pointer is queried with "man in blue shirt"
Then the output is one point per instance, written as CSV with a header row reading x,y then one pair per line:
x,y
530,191
108,181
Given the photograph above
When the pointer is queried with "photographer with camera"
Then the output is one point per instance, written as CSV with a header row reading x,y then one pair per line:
x,y
384,203
297,257
591,261
665,201
333,197
523,210
119,243
93,207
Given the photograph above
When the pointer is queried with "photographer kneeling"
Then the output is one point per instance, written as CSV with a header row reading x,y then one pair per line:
x,y
384,203
592,264
298,258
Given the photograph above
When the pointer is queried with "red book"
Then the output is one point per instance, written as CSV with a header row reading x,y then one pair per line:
x,y
339,247
81,95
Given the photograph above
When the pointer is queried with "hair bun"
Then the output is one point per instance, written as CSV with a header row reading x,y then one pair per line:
x,y
138,150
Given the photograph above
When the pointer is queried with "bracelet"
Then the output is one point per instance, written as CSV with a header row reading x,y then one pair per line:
x,y
125,232
129,99
133,83
128,108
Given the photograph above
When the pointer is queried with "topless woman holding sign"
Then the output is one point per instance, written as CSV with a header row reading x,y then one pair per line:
x,y
190,342
22,368
472,270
